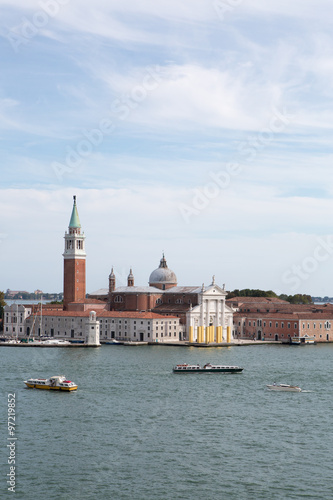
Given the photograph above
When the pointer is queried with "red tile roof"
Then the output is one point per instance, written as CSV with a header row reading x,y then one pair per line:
x,y
257,299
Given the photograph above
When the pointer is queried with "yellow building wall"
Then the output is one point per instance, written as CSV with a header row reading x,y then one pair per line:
x,y
190,334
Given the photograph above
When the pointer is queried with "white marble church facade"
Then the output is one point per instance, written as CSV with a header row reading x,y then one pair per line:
x,y
211,320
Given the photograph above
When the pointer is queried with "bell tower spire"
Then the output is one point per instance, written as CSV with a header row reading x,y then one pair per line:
x,y
74,260
130,278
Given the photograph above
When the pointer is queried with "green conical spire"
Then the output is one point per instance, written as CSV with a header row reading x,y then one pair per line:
x,y
75,221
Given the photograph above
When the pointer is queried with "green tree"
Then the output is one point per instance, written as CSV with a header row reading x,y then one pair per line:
x,y
298,298
247,292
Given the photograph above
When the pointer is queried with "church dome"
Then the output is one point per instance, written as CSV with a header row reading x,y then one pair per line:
x,y
162,276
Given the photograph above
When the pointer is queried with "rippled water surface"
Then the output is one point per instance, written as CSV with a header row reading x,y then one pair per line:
x,y
136,431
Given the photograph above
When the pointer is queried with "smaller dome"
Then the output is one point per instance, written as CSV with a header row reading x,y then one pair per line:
x,y
162,275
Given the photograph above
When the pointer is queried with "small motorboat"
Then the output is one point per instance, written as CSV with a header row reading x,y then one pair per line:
x,y
59,382
306,340
207,368
284,387
56,342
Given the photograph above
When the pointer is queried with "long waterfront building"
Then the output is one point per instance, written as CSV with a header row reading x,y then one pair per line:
x,y
263,318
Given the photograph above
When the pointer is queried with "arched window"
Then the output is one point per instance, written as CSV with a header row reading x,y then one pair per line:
x,y
118,298
159,301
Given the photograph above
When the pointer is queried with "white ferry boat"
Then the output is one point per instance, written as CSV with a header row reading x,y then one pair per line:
x,y
207,368
59,382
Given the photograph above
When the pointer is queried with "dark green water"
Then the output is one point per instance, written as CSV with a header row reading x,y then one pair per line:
x,y
136,431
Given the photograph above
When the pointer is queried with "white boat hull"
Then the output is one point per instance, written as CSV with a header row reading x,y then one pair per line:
x,y
208,368
284,388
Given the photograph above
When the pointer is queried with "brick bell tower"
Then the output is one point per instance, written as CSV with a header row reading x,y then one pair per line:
x,y
74,261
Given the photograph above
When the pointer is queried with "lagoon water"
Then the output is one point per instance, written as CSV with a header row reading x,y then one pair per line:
x,y
136,431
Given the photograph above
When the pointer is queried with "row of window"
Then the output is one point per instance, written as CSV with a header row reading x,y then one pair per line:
x,y
327,324
277,336
105,321
270,324
14,319
118,299
134,334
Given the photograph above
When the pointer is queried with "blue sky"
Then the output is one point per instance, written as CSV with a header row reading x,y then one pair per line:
x,y
202,129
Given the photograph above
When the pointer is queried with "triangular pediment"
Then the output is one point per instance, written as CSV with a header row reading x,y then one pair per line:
x,y
214,290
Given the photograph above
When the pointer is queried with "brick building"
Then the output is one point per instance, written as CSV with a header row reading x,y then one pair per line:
x,y
195,306
273,319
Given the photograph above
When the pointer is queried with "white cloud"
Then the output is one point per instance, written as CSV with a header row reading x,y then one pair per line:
x,y
220,84
297,9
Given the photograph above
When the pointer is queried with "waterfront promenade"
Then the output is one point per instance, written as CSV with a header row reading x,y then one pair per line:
x,y
240,342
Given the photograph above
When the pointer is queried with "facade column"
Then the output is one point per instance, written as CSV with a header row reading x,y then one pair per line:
x,y
207,311
202,310
228,334
223,320
190,335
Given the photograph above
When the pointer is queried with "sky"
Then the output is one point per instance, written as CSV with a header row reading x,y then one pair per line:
x,y
201,129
